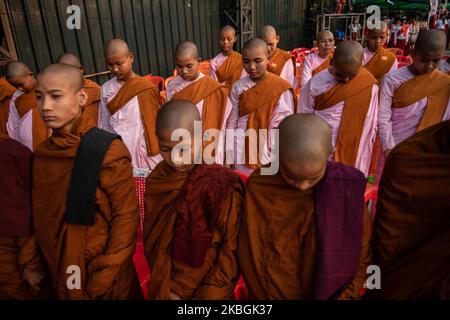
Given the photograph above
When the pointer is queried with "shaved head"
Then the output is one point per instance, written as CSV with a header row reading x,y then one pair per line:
x,y
228,28
267,32
324,34
304,138
177,114
430,40
186,49
305,145
255,43
348,53
70,75
69,59
16,69
116,47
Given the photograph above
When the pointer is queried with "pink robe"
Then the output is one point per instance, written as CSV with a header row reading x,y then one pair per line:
x,y
444,66
320,84
369,54
178,84
20,129
215,64
285,107
311,63
398,124
128,124
288,73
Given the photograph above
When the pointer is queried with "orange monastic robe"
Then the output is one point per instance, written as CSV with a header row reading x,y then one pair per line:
x,y
103,252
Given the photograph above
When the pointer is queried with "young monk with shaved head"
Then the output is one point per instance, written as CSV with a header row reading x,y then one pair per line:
x,y
209,96
377,59
92,89
310,238
415,97
129,104
192,216
317,62
260,101
346,96
87,229
227,66
281,62
24,123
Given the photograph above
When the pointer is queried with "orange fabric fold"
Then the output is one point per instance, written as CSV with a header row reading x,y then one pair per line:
x,y
259,103
148,99
381,63
6,93
324,65
435,86
356,94
230,71
278,60
215,98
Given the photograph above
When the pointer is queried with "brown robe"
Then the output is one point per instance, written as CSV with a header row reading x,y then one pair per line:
x,y
324,65
435,86
214,96
18,249
259,103
278,242
278,60
148,98
6,93
381,63
24,104
92,90
230,71
218,275
356,94
411,242
104,251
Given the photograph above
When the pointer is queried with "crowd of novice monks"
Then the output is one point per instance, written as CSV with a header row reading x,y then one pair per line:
x,y
69,213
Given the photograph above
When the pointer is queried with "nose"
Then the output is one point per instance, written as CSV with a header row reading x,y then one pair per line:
x,y
115,69
252,66
45,104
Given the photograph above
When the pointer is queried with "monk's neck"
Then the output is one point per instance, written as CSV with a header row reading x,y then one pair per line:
x,y
414,70
130,76
195,77
323,56
228,53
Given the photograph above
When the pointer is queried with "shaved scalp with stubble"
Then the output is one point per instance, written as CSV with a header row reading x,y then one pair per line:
x,y
267,32
186,49
430,41
304,139
69,74
255,43
116,47
348,53
177,114
69,59
16,69
323,34
228,28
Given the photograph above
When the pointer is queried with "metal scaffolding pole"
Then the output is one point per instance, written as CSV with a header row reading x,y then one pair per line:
x,y
247,16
